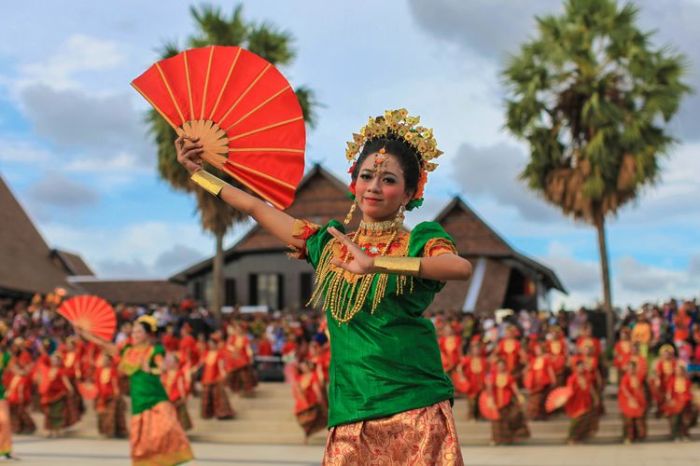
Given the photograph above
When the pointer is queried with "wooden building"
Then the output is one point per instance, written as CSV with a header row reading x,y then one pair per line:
x,y
258,272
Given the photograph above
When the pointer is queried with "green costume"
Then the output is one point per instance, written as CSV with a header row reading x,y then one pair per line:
x,y
386,361
4,361
146,388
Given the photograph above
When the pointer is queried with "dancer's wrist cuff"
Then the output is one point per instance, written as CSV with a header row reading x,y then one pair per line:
x,y
208,182
397,265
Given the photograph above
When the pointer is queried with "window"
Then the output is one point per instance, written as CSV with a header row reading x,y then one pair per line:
x,y
266,289
230,292
306,288
197,291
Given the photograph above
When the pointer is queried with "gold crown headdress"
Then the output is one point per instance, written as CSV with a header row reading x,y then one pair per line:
x,y
150,321
398,124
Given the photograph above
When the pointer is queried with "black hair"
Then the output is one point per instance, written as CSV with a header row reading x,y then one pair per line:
x,y
406,155
147,328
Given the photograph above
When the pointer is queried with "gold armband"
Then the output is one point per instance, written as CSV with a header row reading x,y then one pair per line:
x,y
208,182
397,265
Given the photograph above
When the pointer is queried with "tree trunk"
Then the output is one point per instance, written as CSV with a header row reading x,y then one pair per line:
x,y
217,299
605,269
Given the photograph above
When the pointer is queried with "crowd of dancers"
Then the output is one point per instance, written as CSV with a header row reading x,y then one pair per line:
x,y
508,366
509,371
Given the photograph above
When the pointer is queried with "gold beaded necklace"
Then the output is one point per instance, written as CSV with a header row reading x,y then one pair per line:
x,y
345,299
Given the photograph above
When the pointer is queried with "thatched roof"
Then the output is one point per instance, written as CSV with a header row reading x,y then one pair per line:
x,y
132,291
26,262
72,263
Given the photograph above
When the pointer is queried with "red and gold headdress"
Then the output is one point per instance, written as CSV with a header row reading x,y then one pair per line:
x,y
398,124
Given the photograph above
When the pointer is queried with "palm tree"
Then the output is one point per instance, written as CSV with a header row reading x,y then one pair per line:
x,y
264,39
591,96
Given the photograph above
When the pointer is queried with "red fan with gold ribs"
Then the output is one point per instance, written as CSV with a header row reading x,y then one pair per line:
x,y
487,406
244,112
88,390
92,314
557,398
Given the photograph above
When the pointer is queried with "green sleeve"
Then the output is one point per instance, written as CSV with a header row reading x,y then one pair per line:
x,y
157,349
420,235
316,242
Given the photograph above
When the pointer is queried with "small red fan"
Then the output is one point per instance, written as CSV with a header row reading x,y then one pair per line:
x,y
88,390
92,314
244,112
487,407
460,382
557,398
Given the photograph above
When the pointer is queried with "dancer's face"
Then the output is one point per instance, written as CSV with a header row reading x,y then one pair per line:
x,y
138,334
380,188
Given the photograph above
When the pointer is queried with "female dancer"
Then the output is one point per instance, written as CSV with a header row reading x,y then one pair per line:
x,y
174,380
109,404
386,377
539,379
633,402
241,372
5,425
156,436
678,404
55,391
215,402
309,399
511,425
582,407
475,367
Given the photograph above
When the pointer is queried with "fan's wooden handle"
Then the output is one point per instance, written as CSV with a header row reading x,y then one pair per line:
x,y
212,138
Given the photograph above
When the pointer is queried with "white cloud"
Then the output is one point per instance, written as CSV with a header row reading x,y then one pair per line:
x,y
15,150
577,275
122,162
79,53
493,171
633,282
147,249
55,190
166,264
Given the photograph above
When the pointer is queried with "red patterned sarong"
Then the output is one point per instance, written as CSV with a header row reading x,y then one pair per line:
x,y
5,428
423,436
157,439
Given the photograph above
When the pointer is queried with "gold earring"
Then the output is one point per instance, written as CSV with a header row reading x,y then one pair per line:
x,y
398,221
348,217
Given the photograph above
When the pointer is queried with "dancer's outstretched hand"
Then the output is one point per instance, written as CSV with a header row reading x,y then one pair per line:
x,y
357,261
189,153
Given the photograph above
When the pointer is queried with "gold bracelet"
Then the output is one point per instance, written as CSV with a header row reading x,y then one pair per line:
x,y
208,182
398,265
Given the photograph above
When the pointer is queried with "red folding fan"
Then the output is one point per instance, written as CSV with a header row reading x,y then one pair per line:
x,y
487,406
243,110
557,398
92,314
88,390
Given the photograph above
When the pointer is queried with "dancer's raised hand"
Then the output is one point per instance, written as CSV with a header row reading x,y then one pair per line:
x,y
357,261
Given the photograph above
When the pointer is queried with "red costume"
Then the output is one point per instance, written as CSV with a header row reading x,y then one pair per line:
x,y
509,350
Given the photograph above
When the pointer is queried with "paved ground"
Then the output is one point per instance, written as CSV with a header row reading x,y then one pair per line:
x,y
78,452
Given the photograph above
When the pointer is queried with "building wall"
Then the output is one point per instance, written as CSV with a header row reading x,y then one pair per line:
x,y
259,263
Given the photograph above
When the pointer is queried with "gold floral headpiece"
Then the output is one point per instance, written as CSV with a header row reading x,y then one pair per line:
x,y
398,124
150,321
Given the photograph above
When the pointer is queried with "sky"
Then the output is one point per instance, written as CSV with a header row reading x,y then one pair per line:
x,y
76,153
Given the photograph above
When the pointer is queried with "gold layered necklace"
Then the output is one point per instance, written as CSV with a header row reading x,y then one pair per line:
x,y
345,296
